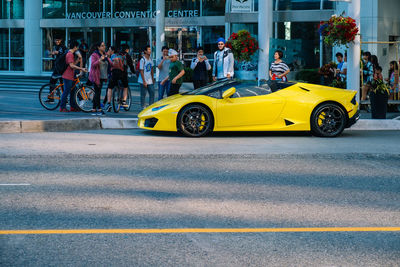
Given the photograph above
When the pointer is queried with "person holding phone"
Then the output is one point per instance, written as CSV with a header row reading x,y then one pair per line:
x,y
200,66
163,67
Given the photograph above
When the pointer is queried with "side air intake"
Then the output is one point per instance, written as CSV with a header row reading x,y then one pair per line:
x,y
288,122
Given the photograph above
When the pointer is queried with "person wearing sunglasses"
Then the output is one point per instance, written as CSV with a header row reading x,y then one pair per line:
x,y
223,62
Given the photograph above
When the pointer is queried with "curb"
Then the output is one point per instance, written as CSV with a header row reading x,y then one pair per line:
x,y
35,126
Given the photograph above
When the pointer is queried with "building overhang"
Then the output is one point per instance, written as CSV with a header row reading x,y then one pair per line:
x,y
282,16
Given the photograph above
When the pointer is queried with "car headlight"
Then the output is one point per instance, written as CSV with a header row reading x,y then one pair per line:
x,y
158,108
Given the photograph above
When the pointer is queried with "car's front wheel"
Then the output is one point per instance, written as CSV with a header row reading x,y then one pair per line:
x,y
328,120
195,120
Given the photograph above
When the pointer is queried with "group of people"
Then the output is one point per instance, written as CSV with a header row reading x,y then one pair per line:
x,y
111,65
373,71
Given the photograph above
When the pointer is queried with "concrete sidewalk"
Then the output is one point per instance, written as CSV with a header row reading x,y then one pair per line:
x,y
98,123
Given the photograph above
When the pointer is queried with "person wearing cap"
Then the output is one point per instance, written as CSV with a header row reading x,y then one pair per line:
x,y
175,74
200,67
223,62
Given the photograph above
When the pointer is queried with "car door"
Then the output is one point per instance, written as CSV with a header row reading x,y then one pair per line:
x,y
249,107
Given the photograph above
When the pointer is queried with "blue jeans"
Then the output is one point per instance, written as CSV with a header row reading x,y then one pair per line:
x,y
143,91
163,89
68,92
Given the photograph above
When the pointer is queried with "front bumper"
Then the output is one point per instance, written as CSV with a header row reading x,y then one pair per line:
x,y
353,119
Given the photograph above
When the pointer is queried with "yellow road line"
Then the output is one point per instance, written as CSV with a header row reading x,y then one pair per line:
x,y
199,230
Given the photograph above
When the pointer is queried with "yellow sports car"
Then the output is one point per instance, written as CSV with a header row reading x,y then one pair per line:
x,y
231,105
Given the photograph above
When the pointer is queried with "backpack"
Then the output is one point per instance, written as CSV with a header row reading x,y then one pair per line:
x,y
137,68
119,62
60,64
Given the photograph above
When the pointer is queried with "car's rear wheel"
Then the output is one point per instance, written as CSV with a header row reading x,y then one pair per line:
x,y
195,120
328,120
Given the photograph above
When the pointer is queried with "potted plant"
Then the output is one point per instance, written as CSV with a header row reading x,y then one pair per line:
x,y
243,47
379,96
338,30
327,73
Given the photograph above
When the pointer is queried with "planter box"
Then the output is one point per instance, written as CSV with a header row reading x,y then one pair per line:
x,y
378,105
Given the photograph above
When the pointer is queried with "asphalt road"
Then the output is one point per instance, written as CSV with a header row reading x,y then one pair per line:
x,y
134,179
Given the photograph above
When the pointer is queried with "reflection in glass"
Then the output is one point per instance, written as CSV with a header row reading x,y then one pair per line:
x,y
17,64
11,9
4,64
210,35
131,5
17,42
49,36
304,4
85,6
53,9
4,43
213,7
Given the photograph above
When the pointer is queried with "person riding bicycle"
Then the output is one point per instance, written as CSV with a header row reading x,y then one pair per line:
x,y
118,68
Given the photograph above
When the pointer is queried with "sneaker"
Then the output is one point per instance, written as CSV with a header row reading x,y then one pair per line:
x,y
100,113
64,110
107,107
124,104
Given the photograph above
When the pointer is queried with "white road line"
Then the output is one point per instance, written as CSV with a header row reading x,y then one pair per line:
x,y
14,184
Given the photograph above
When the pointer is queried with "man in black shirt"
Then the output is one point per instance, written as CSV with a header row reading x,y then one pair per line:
x,y
83,49
200,67
58,50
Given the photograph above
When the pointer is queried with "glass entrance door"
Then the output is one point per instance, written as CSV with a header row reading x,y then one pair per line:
x,y
184,40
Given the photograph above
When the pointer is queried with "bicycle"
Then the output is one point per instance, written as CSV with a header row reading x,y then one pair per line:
x,y
50,98
117,99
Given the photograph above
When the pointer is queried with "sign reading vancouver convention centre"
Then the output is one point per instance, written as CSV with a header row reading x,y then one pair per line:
x,y
131,14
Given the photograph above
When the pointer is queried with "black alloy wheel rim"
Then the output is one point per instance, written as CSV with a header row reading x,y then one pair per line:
x,y
330,120
195,121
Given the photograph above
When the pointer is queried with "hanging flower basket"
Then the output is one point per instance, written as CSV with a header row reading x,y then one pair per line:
x,y
243,45
338,30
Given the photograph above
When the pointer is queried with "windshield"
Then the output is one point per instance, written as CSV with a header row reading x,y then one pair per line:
x,y
211,87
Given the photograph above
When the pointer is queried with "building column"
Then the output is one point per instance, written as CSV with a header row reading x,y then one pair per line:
x,y
264,33
353,55
160,29
33,37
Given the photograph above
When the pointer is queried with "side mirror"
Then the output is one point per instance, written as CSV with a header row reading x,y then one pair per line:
x,y
228,93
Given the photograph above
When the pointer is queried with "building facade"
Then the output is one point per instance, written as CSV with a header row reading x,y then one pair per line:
x,y
28,27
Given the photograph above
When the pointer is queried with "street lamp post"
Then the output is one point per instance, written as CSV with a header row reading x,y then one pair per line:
x,y
353,55
264,34
160,28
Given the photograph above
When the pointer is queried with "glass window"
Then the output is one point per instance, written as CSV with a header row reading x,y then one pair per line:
x,y
53,9
179,8
131,5
17,42
213,7
17,65
299,4
12,9
299,42
12,59
49,36
85,6
4,64
210,35
4,43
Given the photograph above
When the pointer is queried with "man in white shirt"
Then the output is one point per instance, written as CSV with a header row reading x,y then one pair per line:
x,y
146,77
341,70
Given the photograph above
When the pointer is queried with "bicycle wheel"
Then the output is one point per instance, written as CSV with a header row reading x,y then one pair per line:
x,y
84,97
50,98
128,100
116,99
